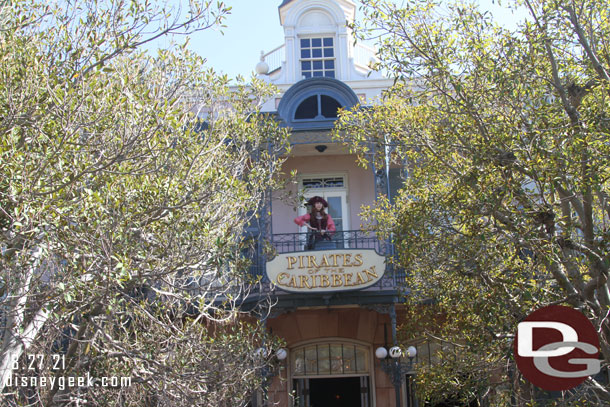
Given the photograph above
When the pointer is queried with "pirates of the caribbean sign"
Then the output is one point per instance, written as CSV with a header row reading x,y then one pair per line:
x,y
320,271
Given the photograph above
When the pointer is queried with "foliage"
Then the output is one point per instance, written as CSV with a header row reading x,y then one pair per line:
x,y
126,181
505,138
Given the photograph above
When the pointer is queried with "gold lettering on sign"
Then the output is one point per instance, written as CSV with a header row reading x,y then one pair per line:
x,y
327,261
359,279
334,256
326,271
281,277
304,281
339,278
324,262
310,260
371,273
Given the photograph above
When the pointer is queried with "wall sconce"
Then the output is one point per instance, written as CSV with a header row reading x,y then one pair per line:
x,y
321,148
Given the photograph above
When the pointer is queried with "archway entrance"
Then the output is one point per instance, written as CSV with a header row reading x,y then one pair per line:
x,y
332,374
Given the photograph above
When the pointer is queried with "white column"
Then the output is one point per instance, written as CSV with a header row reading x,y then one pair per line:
x,y
343,57
291,65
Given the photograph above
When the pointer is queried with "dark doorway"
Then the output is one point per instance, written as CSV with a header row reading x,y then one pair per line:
x,y
339,392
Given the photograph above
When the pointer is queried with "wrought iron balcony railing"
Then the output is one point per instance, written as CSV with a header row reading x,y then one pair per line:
x,y
343,239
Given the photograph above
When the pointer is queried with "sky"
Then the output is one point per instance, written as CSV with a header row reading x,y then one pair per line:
x,y
254,26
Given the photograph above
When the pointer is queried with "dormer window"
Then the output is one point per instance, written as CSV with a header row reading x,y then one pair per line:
x,y
313,103
317,57
317,107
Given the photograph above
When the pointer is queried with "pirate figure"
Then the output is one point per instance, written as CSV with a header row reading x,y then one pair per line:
x,y
320,224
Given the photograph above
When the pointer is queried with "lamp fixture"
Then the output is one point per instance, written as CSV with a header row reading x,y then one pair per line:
x,y
381,352
321,148
281,354
391,363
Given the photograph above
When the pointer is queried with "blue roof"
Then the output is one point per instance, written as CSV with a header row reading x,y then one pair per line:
x,y
284,3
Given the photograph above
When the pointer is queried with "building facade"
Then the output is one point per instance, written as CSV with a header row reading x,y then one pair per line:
x,y
336,303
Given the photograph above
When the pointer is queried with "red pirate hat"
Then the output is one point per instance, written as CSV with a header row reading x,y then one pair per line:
x,y
315,199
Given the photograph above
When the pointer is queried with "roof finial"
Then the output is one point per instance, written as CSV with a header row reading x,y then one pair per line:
x,y
262,68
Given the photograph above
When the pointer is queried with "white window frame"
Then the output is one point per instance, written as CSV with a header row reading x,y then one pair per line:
x,y
342,192
322,58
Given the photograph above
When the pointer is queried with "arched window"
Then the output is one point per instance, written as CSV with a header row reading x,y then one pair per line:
x,y
314,103
317,107
308,109
330,359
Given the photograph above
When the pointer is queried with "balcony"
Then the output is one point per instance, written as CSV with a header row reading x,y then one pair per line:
x,y
274,58
346,239
285,243
364,56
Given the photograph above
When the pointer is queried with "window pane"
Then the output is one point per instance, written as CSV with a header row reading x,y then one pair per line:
x,y
317,64
330,74
329,64
330,359
336,360
311,360
306,75
329,109
328,53
316,42
334,207
316,52
305,53
308,109
362,362
305,43
334,182
306,65
330,182
349,359
328,42
318,74
313,183
324,359
299,362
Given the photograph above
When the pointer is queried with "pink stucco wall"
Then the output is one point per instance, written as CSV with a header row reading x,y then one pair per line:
x,y
360,188
325,324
